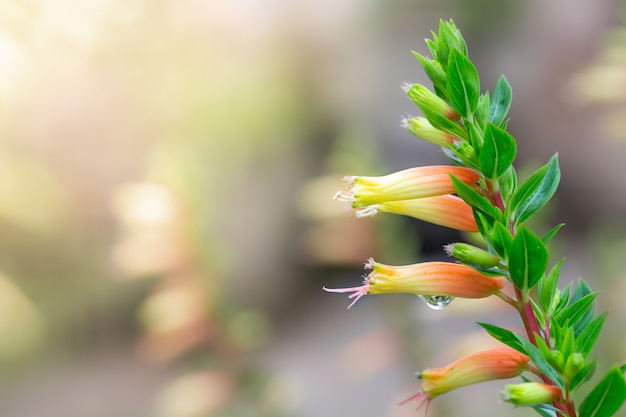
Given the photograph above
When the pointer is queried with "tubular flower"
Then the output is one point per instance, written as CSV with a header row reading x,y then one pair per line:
x,y
408,184
444,210
486,365
426,279
531,393
421,127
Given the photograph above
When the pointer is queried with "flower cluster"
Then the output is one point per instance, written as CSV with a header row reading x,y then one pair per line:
x,y
480,193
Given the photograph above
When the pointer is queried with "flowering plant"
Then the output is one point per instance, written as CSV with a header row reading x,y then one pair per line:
x,y
561,325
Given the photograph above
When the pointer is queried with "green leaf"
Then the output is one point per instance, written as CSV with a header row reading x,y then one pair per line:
x,y
564,297
548,236
433,70
586,340
548,287
528,259
574,312
497,153
500,240
500,102
482,110
581,290
606,398
475,199
450,38
505,336
585,373
463,84
540,362
536,191
546,410
508,184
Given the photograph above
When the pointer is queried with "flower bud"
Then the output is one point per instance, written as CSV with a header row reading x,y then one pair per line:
x,y
426,279
573,365
444,210
411,183
530,393
429,103
471,254
420,127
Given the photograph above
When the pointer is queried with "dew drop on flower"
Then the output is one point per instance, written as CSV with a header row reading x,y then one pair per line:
x,y
436,302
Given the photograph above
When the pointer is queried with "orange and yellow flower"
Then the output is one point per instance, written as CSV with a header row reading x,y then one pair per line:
x,y
412,183
426,279
444,210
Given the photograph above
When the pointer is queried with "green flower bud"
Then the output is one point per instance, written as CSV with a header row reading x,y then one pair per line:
x,y
429,103
438,112
530,393
556,359
420,127
471,254
573,365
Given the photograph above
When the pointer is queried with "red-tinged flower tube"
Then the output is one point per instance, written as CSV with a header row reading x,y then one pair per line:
x,y
444,210
408,184
486,365
426,279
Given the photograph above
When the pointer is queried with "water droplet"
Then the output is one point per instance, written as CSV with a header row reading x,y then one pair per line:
x,y
436,302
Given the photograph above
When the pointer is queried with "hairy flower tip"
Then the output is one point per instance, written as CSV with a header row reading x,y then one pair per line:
x,y
357,292
420,398
412,183
445,210
486,365
530,393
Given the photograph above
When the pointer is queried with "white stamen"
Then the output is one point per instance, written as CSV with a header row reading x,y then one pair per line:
x,y
369,265
406,86
367,211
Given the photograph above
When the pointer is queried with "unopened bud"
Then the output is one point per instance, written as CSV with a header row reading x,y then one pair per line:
x,y
530,393
573,365
471,254
421,127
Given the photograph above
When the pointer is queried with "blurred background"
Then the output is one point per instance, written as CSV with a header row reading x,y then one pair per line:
x,y
166,222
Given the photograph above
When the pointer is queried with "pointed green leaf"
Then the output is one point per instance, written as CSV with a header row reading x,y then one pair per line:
x,y
585,373
574,312
482,110
508,184
606,398
540,362
501,240
528,259
505,336
586,340
547,287
475,199
497,153
433,70
500,101
463,84
548,236
536,191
